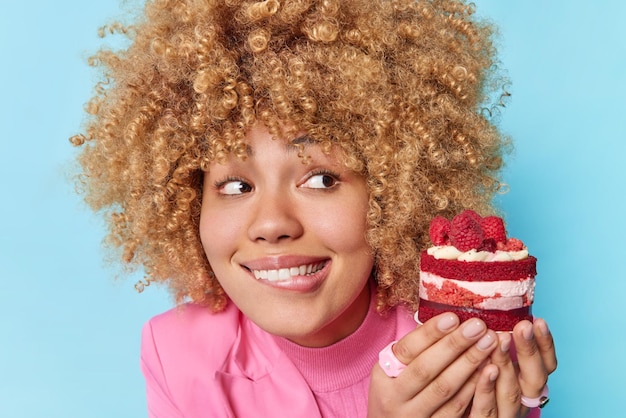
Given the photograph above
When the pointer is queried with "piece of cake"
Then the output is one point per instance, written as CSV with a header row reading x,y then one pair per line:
x,y
474,270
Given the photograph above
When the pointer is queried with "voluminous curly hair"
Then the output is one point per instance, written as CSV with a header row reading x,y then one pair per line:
x,y
400,86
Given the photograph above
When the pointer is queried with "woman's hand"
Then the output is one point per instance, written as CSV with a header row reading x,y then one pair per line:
x,y
502,383
444,360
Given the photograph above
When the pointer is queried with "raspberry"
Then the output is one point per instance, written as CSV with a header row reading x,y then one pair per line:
x,y
465,231
472,214
488,244
493,227
439,230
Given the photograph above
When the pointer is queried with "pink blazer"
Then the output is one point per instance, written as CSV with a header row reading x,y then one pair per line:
x,y
198,364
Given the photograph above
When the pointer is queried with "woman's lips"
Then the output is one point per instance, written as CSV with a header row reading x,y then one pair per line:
x,y
275,275
290,273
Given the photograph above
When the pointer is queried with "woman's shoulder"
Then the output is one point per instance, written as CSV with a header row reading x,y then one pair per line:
x,y
193,317
190,330
184,354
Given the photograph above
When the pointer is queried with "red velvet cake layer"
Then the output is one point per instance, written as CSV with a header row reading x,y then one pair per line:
x,y
479,270
495,320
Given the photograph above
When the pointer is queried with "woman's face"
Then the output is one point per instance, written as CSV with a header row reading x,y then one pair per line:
x,y
286,240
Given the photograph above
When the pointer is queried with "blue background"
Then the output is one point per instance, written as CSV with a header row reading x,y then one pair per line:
x,y
69,332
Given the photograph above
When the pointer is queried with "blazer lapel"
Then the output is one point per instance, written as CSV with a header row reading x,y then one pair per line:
x,y
258,380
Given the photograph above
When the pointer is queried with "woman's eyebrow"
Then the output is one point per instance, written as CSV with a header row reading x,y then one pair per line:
x,y
303,140
300,142
293,145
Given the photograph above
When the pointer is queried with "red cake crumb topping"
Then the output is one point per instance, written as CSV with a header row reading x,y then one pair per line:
x,y
511,244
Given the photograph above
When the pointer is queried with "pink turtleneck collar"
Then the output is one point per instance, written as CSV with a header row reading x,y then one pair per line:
x,y
348,361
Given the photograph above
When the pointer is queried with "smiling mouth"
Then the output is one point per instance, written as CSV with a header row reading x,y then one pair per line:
x,y
285,274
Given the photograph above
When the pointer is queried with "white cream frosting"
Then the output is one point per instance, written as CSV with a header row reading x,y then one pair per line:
x,y
449,252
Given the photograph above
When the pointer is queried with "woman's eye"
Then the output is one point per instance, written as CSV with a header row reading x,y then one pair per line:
x,y
234,187
321,181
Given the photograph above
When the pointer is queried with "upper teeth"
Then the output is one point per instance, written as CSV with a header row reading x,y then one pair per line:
x,y
287,273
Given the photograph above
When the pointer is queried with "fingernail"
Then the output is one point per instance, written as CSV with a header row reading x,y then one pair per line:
x,y
493,375
527,332
473,328
447,322
543,327
485,342
505,341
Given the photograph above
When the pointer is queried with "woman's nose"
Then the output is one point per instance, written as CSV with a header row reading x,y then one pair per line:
x,y
275,219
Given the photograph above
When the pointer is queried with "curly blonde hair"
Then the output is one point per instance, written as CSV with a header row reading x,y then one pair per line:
x,y
400,86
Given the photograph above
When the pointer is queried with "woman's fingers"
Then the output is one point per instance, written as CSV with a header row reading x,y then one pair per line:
x,y
430,364
443,360
485,403
545,343
445,383
508,394
458,405
533,373
414,343
457,369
